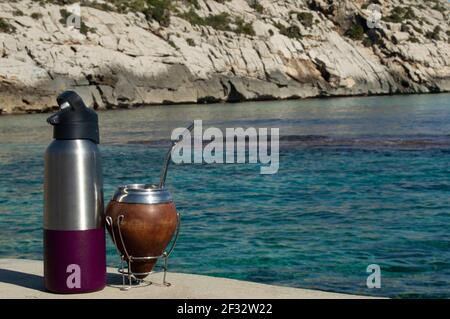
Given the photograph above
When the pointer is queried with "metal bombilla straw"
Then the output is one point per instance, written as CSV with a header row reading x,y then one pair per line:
x,y
162,179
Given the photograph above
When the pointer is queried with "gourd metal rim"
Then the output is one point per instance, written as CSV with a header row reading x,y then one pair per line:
x,y
142,194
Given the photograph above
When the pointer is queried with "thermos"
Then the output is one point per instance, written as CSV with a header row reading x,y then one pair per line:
x,y
74,235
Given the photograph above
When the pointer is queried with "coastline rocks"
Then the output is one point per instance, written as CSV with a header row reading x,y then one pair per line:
x,y
123,60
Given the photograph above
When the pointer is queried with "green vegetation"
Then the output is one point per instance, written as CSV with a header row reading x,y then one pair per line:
x,y
399,14
292,31
64,15
405,28
172,44
255,5
36,15
355,32
84,29
439,7
305,18
436,5
417,29
190,42
161,11
104,6
243,27
367,3
158,10
18,13
221,22
413,40
372,38
6,27
421,6
60,2
192,17
194,3
434,35
368,38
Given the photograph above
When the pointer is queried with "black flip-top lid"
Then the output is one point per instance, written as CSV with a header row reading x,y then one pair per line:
x,y
74,120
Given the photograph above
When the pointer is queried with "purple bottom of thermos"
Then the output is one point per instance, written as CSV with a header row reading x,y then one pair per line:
x,y
74,260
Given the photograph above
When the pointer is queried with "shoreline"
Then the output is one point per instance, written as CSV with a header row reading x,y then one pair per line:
x,y
148,105
22,279
126,57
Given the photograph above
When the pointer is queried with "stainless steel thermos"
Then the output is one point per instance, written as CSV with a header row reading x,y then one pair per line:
x,y
74,235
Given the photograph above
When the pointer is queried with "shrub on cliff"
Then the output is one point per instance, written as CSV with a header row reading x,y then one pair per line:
x,y
221,22
255,5
6,27
399,14
439,7
36,15
305,18
57,2
244,27
292,31
192,17
104,6
372,38
190,42
355,32
434,35
18,13
159,10
193,3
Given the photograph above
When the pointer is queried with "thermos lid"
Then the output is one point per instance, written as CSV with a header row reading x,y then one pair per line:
x,y
74,120
142,194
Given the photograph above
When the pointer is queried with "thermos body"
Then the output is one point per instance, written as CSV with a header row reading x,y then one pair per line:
x,y
73,186
74,235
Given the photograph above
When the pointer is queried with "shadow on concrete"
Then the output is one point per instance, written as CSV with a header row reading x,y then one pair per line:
x,y
22,279
36,282
114,279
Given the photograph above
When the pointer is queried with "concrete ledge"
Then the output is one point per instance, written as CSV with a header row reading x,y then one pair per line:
x,y
20,278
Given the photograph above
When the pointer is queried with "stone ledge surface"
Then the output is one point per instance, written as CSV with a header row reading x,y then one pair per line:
x,y
21,278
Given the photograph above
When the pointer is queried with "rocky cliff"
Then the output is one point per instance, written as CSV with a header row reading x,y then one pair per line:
x,y
130,53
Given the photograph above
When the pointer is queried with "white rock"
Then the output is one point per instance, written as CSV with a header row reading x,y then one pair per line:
x,y
127,60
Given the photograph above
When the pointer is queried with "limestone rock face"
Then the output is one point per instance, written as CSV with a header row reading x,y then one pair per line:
x,y
297,49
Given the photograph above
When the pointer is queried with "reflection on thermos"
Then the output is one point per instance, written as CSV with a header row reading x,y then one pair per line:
x,y
74,235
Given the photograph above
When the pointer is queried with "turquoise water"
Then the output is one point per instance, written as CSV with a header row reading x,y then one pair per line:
x,y
361,181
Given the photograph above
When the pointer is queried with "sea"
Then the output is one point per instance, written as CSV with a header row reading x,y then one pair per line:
x,y
362,181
